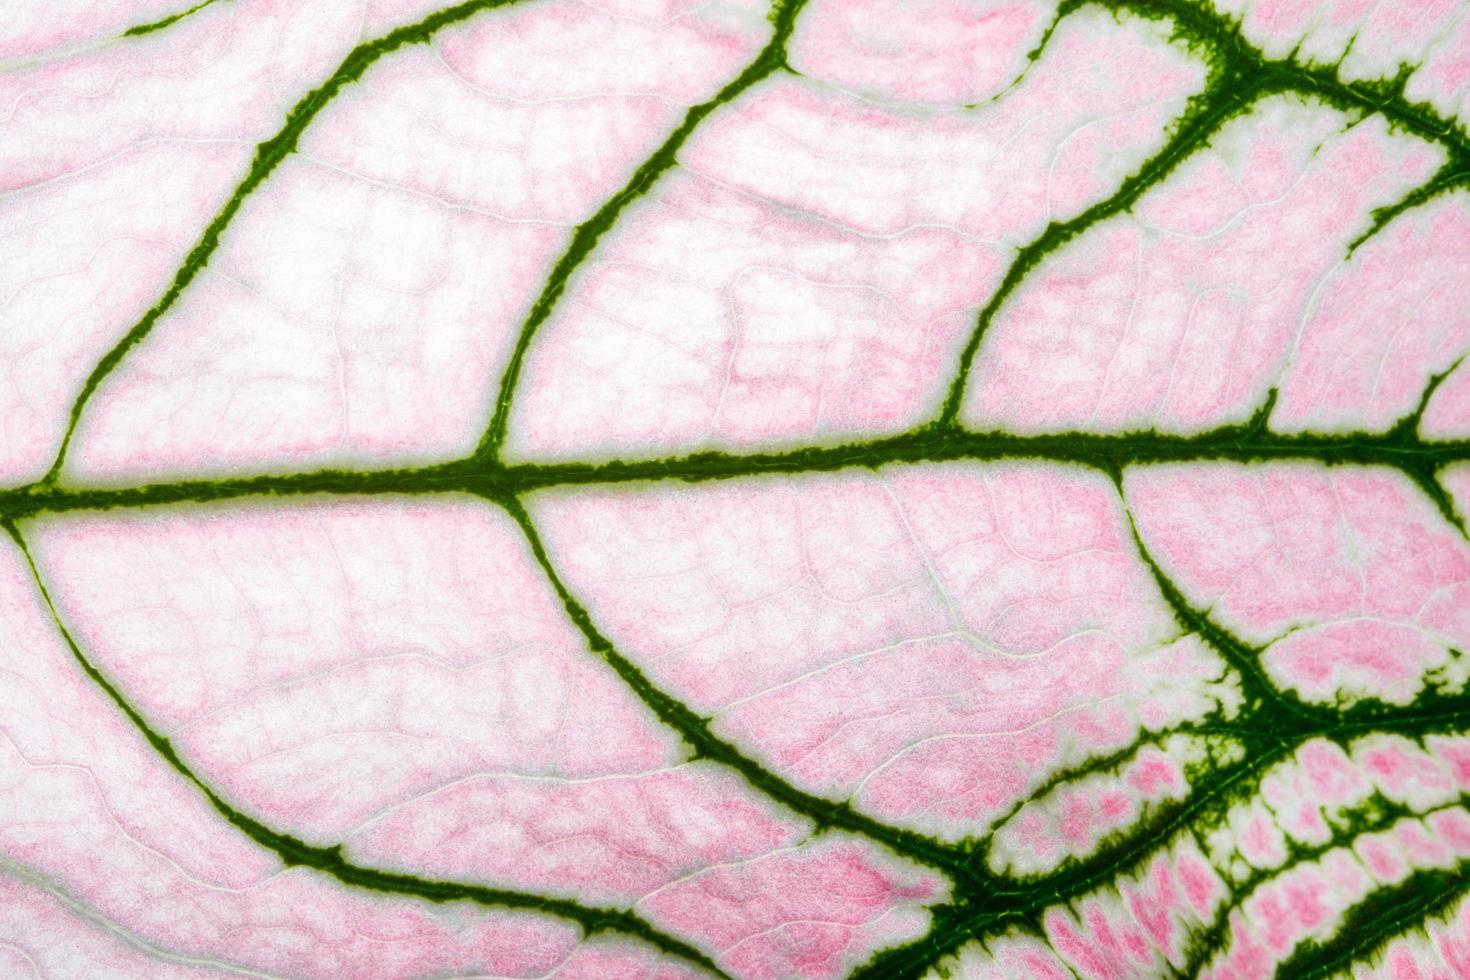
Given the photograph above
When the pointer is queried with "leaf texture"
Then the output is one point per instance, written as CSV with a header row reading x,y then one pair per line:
x,y
823,488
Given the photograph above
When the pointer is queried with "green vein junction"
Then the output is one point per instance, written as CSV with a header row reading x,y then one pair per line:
x,y
158,25
329,860
1400,449
1267,727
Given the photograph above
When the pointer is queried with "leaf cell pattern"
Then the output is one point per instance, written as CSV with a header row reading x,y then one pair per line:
x,y
971,490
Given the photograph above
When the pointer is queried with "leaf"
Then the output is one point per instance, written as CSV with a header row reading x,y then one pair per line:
x,y
660,489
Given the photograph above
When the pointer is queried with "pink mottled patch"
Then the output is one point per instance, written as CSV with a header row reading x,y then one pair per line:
x,y
1381,324
961,640
105,831
1294,906
423,702
717,318
1258,838
918,640
857,900
1385,661
1453,827
1330,774
1200,883
1380,857
768,296
1453,752
351,295
937,51
1166,317
1155,903
1072,820
1404,772
1103,942
1361,556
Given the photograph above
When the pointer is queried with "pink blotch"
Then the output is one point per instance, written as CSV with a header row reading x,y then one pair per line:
x,y
1044,967
1453,752
1154,774
1247,958
1071,945
1035,832
1415,841
1331,776
1077,819
1400,769
1123,941
1201,884
1269,909
1452,827
1153,902
1401,966
1344,875
1386,660
1113,806
1305,899
862,902
1261,842
1380,857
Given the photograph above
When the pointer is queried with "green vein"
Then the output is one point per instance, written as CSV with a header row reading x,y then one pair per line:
x,y
1428,709
1243,659
1249,442
1023,906
1227,95
26,502
1426,472
1212,940
824,813
159,25
1359,932
1270,723
1269,736
1242,75
1242,443
584,240
1452,176
268,156
329,860
1222,35
1109,762
1379,919
1384,98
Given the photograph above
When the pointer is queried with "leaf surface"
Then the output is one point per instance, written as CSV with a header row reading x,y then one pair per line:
x,y
832,488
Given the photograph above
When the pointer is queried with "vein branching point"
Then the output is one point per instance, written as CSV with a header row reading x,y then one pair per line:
x,y
1269,724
